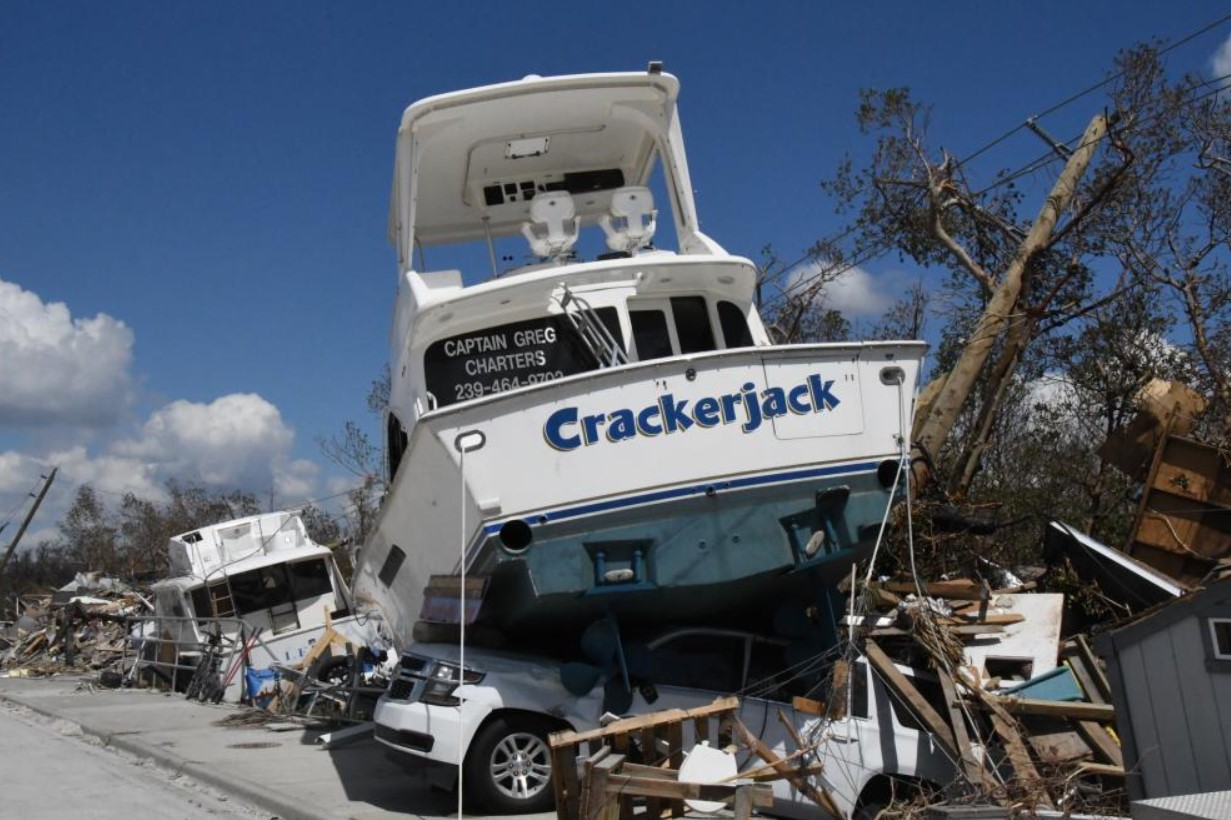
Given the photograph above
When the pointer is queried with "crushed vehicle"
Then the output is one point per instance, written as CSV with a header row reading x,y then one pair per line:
x,y
496,714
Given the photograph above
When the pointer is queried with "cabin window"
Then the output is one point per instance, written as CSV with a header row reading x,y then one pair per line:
x,y
260,589
496,359
396,441
650,334
309,579
200,604
734,325
701,661
213,601
393,562
692,324
859,689
1220,635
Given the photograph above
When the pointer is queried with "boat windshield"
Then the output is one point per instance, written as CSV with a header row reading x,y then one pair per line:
x,y
504,357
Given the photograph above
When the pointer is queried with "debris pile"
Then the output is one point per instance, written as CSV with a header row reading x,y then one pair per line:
x,y
1026,717
82,626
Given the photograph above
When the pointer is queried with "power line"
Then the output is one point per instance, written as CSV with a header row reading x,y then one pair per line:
x,y
1090,90
1049,157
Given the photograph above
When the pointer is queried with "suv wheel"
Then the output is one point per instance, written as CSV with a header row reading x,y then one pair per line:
x,y
508,766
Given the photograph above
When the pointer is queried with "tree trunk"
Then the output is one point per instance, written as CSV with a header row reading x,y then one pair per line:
x,y
939,422
1020,332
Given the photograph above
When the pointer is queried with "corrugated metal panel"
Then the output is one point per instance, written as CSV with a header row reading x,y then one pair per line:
x,y
1207,806
1167,763
1198,697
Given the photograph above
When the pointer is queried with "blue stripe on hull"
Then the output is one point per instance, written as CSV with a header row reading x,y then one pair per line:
x,y
696,489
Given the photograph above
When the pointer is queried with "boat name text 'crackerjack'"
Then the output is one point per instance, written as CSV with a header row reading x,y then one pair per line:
x,y
566,429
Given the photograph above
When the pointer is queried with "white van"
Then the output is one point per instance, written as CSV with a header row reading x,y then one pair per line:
x,y
495,717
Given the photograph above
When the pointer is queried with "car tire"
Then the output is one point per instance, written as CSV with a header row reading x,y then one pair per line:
x,y
508,766
333,670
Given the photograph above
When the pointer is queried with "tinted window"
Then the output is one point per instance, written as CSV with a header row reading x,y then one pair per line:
x,y
859,690
931,692
201,604
650,335
769,675
260,589
393,562
396,441
713,662
309,579
495,359
734,325
692,324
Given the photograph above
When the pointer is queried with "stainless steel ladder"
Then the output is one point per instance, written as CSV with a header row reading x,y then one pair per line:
x,y
591,330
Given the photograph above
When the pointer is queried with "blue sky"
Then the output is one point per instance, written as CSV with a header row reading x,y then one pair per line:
x,y
194,277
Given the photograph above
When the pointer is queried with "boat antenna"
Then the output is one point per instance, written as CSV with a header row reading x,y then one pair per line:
x,y
491,250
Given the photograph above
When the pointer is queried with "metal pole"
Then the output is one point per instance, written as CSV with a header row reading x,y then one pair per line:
x,y
29,516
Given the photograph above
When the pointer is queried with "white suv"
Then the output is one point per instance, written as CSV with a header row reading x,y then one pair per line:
x,y
500,715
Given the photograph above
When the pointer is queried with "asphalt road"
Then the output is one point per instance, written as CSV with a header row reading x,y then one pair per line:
x,y
49,768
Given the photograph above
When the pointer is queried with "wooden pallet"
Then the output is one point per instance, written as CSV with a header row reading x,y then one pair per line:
x,y
594,776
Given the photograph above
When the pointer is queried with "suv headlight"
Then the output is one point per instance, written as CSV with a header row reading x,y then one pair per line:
x,y
442,681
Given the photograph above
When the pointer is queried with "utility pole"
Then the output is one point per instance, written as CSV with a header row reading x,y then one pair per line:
x,y
4,562
935,428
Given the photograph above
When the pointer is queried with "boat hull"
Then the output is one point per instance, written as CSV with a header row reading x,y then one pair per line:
x,y
715,467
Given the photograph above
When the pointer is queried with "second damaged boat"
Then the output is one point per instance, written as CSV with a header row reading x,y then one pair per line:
x,y
616,434
258,584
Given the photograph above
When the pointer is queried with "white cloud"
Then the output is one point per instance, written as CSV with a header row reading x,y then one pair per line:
x,y
855,292
55,369
239,440
1220,63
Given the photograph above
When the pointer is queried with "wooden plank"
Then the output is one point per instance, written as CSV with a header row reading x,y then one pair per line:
x,y
720,705
999,619
1092,666
1103,769
564,780
970,764
1076,710
962,589
816,793
742,808
1085,680
642,770
767,773
618,783
700,728
1019,757
596,804
808,706
1100,742
960,631
792,731
649,753
675,757
907,692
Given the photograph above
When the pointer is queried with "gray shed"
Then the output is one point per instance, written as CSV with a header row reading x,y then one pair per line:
x,y
1170,675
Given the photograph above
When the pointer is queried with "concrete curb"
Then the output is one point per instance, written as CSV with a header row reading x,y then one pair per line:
x,y
281,805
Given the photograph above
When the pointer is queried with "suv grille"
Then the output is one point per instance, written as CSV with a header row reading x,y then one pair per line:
x,y
412,677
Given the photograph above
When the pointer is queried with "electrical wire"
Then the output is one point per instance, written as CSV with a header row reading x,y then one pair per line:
x,y
1086,91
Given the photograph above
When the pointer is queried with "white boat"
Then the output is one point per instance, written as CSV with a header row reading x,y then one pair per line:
x,y
261,575
605,425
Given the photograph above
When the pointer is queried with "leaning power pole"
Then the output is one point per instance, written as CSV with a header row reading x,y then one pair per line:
x,y
934,429
8,553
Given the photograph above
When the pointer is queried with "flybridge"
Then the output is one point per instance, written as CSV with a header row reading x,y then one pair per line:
x,y
566,429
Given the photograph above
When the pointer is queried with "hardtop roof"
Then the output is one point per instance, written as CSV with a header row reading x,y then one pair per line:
x,y
469,162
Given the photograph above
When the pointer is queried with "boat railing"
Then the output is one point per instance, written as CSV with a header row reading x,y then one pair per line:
x,y
592,332
151,645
